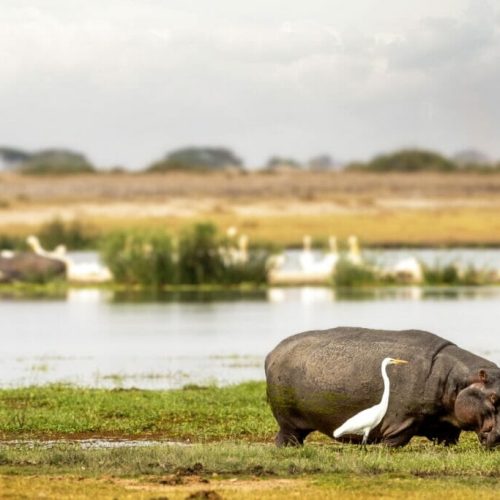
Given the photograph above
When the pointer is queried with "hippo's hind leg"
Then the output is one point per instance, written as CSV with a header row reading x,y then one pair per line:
x,y
288,436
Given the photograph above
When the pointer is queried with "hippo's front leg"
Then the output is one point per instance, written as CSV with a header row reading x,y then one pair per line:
x,y
399,434
443,433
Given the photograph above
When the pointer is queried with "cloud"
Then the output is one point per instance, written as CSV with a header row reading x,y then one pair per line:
x,y
128,80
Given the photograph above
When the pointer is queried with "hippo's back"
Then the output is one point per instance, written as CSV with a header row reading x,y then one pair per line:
x,y
345,347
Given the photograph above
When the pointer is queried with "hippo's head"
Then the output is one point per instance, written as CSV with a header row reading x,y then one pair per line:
x,y
477,406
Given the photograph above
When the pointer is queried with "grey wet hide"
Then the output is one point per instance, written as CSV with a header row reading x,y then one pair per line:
x,y
317,380
30,267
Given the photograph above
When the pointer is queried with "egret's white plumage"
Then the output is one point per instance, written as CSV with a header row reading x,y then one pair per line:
x,y
364,421
354,255
306,257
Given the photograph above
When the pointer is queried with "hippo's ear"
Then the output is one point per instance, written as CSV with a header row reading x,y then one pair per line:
x,y
483,376
468,407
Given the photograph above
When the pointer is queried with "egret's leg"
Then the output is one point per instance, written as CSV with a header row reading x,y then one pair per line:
x,y
365,439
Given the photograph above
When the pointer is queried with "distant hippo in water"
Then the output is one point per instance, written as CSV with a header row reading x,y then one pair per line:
x,y
30,267
317,380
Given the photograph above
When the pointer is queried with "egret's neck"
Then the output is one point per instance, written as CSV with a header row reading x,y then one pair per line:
x,y
387,386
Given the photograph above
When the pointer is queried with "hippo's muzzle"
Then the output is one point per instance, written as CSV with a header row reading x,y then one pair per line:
x,y
490,439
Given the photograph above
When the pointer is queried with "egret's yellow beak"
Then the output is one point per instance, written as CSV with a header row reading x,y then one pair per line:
x,y
399,362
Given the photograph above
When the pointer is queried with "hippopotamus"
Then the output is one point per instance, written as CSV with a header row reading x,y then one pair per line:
x,y
26,266
316,380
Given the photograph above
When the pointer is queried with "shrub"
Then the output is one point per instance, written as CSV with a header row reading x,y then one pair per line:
x,y
450,274
139,257
202,257
199,258
254,270
352,275
441,275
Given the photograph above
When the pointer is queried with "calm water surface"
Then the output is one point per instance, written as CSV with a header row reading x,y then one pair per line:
x,y
104,339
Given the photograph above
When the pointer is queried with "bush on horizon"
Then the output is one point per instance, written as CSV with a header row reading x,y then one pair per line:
x,y
198,159
56,161
407,160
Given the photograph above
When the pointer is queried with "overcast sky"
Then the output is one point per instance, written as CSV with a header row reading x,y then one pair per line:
x,y
127,80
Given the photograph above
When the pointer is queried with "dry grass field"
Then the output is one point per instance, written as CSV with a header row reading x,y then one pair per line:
x,y
382,209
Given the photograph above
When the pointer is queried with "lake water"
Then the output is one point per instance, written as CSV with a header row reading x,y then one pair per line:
x,y
104,339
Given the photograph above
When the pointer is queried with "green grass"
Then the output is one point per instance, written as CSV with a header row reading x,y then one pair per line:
x,y
421,459
229,432
197,414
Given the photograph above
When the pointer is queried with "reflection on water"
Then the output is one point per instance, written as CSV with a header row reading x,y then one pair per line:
x,y
103,338
303,295
227,295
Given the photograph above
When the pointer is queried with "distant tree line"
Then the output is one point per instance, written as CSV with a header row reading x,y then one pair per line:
x,y
47,161
420,160
216,159
198,159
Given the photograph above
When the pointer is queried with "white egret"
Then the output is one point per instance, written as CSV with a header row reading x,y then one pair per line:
x,y
83,272
354,255
409,269
306,257
364,421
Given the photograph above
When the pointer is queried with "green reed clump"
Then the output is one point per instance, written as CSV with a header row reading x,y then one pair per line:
x,y
202,256
352,275
254,270
74,235
441,275
200,262
453,275
207,257
140,257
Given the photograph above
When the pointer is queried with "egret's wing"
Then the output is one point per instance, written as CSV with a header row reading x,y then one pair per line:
x,y
359,422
